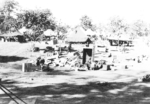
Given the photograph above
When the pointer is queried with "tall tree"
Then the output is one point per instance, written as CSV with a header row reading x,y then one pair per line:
x,y
8,23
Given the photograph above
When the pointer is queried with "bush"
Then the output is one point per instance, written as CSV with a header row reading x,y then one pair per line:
x,y
146,78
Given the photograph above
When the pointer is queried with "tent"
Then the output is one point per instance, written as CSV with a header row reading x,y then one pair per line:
x,y
25,30
49,32
77,35
22,30
125,37
11,34
89,32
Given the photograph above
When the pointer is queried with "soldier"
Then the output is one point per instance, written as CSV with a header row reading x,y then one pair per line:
x,y
69,48
40,62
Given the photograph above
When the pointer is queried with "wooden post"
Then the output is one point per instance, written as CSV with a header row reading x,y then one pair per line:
x,y
93,52
26,67
59,48
23,67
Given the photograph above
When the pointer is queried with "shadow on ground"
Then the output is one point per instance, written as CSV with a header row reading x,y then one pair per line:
x,y
90,93
5,59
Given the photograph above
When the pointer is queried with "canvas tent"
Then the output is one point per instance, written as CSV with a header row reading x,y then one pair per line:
x,y
49,32
11,34
124,39
89,32
22,30
77,35
121,37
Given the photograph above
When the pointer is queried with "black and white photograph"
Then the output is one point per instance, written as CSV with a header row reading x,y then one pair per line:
x,y
74,52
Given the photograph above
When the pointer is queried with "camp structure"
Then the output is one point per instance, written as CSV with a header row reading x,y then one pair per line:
x,y
90,33
12,37
78,35
120,40
50,34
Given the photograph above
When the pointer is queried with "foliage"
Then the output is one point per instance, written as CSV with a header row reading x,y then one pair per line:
x,y
86,23
38,21
118,27
63,29
32,35
8,23
102,30
9,7
140,28
2,17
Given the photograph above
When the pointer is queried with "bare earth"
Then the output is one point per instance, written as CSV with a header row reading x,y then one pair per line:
x,y
69,87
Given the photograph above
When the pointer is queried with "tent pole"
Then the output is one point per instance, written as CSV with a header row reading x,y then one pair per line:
x,y
93,53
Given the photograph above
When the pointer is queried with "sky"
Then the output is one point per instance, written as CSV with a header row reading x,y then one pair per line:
x,y
100,11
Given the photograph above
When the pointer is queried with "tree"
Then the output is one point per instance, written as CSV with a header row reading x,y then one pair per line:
x,y
140,28
86,23
9,7
38,21
117,28
8,23
2,17
62,29
102,30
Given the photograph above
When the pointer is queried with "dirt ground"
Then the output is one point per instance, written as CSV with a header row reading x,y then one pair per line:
x,y
69,87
